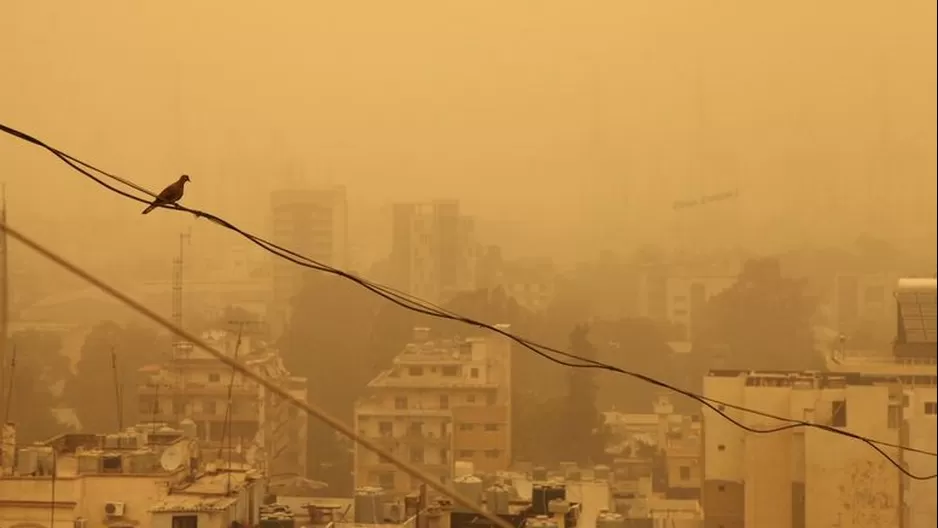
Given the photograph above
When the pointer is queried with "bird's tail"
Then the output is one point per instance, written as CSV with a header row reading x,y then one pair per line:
x,y
149,208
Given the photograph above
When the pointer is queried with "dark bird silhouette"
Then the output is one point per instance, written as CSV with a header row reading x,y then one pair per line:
x,y
169,195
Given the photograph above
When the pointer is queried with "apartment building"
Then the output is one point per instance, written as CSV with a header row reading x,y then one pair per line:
x,y
258,426
433,253
441,401
314,223
677,298
808,477
149,475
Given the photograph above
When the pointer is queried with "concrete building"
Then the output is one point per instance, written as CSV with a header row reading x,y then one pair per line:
x,y
258,428
147,476
314,223
807,477
531,282
433,253
440,402
676,298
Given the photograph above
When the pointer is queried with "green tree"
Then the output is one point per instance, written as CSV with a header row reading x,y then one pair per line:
x,y
338,338
582,427
764,321
92,391
39,369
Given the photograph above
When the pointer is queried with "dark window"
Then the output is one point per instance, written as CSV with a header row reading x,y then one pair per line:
x,y
400,402
416,455
466,453
416,428
894,416
839,413
492,453
490,399
471,398
931,408
444,401
385,428
685,472
111,464
386,480
491,427
450,371
473,372
465,427
214,377
185,521
209,407
415,371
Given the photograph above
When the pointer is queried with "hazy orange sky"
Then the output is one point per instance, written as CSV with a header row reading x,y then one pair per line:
x,y
567,127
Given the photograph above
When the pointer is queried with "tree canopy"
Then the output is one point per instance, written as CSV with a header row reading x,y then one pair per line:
x,y
32,382
764,321
110,346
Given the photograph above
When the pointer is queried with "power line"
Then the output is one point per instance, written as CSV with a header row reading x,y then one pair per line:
x,y
248,373
417,305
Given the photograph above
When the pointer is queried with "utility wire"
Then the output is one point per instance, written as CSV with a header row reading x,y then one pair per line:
x,y
424,307
236,365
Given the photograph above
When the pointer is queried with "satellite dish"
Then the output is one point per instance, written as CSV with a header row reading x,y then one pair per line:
x,y
171,459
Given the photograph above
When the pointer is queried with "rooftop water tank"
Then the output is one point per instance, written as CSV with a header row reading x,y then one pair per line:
x,y
498,499
601,472
539,474
469,487
369,505
610,520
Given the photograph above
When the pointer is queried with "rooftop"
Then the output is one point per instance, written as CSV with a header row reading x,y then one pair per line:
x,y
392,378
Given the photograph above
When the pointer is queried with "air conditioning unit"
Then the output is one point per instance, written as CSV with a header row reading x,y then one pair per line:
x,y
114,509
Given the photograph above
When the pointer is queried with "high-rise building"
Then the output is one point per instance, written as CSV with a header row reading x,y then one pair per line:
x,y
441,402
432,249
314,223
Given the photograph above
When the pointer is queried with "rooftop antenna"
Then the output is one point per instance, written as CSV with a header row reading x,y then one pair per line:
x,y
179,347
4,294
117,392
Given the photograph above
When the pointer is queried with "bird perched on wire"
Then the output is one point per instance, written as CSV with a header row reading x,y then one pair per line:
x,y
170,195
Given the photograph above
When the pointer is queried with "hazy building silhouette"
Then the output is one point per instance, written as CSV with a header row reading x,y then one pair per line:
x,y
314,223
432,249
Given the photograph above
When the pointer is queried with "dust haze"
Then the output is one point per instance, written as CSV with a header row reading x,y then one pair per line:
x,y
589,142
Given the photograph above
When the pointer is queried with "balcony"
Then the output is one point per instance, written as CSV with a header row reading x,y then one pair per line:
x,y
427,438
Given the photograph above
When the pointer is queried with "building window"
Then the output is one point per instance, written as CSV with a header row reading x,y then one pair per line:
x,y
492,453
385,428
111,464
931,408
416,428
490,398
444,401
415,371
491,427
474,372
839,413
214,377
400,402
185,521
685,472
465,427
466,453
471,398
893,416
450,371
416,455
209,407
386,480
